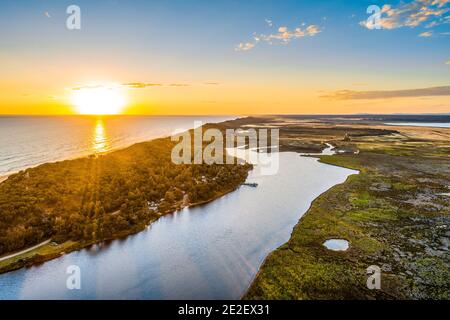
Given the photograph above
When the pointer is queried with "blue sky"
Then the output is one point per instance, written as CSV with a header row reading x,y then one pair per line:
x,y
195,41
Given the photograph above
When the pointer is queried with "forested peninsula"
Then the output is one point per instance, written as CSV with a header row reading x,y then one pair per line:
x,y
76,203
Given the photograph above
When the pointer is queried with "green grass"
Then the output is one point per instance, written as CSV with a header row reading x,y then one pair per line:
x,y
43,253
378,225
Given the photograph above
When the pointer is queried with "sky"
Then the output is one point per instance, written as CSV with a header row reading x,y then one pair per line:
x,y
162,57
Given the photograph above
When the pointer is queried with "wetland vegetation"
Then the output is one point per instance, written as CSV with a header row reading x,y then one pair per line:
x,y
392,213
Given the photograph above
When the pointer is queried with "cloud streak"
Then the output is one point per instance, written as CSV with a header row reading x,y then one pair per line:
x,y
134,85
283,36
430,13
387,94
245,46
426,34
143,85
179,85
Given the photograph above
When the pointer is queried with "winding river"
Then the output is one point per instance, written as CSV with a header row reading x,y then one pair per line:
x,y
208,252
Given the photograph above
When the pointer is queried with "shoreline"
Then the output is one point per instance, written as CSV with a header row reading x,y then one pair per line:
x,y
36,255
13,255
370,196
88,154
318,157
71,246
286,236
4,178
386,193
24,261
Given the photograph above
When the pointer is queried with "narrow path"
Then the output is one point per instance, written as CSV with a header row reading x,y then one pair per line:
x,y
25,251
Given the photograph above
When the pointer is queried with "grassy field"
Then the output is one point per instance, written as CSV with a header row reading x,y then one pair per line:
x,y
38,255
395,215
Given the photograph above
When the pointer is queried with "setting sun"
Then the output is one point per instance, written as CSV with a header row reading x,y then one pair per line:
x,y
225,150
98,100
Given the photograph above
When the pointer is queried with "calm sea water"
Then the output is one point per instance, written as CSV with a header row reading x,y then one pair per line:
x,y
208,252
29,141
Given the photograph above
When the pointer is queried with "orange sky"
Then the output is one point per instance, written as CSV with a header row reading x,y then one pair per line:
x,y
216,99
226,58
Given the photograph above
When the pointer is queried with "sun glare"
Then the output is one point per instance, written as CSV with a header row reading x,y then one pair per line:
x,y
98,100
100,139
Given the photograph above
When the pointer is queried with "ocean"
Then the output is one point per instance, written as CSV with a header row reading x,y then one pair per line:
x,y
27,141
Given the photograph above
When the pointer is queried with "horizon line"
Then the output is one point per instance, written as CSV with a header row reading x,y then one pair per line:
x,y
220,115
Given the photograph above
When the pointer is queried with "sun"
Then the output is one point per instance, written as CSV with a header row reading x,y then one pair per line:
x,y
98,100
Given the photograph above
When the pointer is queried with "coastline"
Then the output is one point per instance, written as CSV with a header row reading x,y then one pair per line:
x,y
118,147
379,212
243,297
50,251
216,225
371,197
53,250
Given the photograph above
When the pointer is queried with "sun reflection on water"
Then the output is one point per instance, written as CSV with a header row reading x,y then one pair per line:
x,y
100,140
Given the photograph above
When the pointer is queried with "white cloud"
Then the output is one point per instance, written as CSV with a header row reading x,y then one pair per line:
x,y
413,14
387,94
440,3
426,34
432,24
244,46
283,36
312,30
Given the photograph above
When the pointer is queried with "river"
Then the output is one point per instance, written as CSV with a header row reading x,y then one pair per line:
x,y
208,252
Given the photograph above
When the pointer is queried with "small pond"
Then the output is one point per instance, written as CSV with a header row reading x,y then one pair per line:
x,y
336,244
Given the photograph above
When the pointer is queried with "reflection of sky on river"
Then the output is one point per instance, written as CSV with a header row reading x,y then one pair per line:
x,y
212,251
